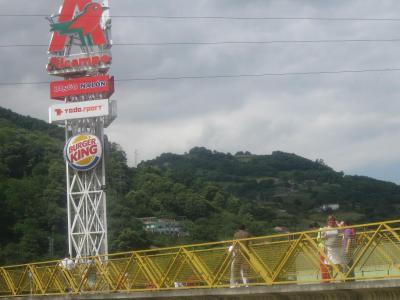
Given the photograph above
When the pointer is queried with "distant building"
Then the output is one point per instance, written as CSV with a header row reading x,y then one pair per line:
x,y
332,206
163,226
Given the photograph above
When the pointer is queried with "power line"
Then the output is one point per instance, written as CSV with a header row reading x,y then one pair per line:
x,y
155,44
226,17
261,74
256,18
222,76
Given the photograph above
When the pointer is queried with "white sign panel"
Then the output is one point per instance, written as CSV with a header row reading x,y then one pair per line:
x,y
78,110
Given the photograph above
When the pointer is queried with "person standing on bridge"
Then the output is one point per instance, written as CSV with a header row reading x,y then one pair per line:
x,y
239,265
348,245
324,270
333,244
67,263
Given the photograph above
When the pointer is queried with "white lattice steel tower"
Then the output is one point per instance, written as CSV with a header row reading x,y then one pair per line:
x,y
86,198
83,64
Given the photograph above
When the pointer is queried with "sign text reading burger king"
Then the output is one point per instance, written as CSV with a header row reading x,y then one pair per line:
x,y
83,151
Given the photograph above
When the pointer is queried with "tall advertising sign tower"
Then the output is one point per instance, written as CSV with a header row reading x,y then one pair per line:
x,y
80,56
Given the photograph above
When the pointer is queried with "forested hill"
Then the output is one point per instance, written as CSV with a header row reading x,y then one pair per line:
x,y
210,191
32,188
280,189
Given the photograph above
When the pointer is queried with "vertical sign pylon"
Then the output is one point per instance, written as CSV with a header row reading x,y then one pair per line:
x,y
85,113
87,198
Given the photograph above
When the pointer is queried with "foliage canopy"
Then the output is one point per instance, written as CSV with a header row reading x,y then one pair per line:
x,y
212,191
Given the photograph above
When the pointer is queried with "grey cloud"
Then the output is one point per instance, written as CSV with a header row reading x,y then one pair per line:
x,y
350,120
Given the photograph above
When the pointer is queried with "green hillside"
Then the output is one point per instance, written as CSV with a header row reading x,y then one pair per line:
x,y
211,191
32,188
264,191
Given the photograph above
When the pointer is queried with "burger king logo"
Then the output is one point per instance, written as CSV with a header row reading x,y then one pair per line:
x,y
83,151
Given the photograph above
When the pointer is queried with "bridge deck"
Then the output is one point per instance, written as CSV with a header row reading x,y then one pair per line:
x,y
287,262
380,289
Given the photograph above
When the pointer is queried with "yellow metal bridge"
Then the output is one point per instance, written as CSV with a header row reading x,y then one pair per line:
x,y
293,258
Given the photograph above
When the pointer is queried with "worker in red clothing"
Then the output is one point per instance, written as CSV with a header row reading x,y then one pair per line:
x,y
324,269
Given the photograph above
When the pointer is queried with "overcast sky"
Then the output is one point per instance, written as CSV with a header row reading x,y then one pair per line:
x,y
350,120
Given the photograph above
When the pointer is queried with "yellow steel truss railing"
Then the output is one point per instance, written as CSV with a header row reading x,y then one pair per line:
x,y
270,260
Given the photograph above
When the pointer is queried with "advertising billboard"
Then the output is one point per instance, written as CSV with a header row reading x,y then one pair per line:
x,y
79,53
85,25
78,110
88,26
83,151
102,84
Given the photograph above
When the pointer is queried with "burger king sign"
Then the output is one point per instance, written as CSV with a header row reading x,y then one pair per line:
x,y
83,151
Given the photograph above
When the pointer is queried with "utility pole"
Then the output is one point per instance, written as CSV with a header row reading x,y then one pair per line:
x,y
136,155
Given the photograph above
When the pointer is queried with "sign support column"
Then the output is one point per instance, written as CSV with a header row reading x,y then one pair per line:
x,y
85,112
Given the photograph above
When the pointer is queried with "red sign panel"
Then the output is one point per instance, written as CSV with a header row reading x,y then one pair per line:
x,y
103,84
73,64
86,24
